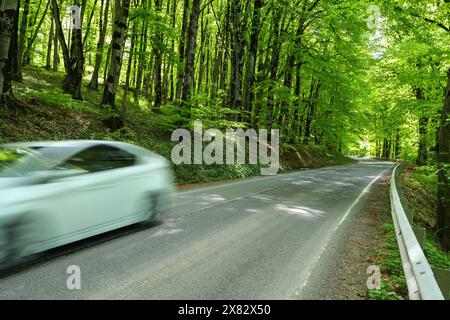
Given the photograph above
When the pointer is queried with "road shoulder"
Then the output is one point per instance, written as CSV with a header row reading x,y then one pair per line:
x,y
340,273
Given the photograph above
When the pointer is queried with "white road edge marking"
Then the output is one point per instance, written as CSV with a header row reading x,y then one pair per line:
x,y
347,213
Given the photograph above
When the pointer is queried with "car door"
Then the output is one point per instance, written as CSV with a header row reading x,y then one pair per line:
x,y
102,196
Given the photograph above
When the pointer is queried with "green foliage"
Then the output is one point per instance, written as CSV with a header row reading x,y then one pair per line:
x,y
392,264
393,283
435,256
420,194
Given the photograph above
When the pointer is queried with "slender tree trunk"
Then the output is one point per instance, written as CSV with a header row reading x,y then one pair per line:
x,y
73,60
443,204
397,146
93,84
107,63
166,63
123,109
118,41
49,47
142,60
251,56
201,65
32,19
88,24
422,152
215,69
23,29
314,94
171,76
8,35
223,72
157,49
30,43
237,54
15,47
181,50
188,82
55,50
273,69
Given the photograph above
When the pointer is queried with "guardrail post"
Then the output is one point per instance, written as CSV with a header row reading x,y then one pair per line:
x,y
443,279
420,235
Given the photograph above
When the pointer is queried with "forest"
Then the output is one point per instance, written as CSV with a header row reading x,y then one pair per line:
x,y
367,78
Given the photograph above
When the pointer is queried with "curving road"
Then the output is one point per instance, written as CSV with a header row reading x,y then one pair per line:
x,y
258,238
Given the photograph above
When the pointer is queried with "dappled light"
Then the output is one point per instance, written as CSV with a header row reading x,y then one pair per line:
x,y
299,211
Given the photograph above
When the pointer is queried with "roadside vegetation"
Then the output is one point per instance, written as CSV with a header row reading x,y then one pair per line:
x,y
393,284
419,185
53,115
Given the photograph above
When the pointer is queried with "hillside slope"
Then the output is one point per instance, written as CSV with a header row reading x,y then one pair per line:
x,y
52,115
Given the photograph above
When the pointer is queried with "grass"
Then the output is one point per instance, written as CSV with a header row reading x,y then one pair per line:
x,y
393,283
53,115
419,186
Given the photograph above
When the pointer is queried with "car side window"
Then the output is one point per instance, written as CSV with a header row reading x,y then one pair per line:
x,y
102,158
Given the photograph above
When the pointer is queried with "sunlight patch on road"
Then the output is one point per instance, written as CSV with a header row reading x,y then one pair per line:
x,y
165,232
303,212
299,183
259,197
168,228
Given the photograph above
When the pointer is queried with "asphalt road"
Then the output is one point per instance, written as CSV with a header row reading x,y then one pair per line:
x,y
258,238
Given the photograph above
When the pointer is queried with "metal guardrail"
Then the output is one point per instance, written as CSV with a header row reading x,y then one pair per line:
x,y
420,279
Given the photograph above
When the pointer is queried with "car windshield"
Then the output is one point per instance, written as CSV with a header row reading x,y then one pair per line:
x,y
20,161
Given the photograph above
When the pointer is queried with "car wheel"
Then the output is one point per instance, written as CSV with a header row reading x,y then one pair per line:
x,y
152,206
13,241
3,247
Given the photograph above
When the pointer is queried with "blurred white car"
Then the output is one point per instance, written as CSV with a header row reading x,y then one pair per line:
x,y
57,192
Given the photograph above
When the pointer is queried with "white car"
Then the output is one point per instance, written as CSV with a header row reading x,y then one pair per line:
x,y
57,192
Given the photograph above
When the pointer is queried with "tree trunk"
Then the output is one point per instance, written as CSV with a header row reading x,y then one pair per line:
x,y
30,43
237,54
88,24
314,94
23,29
188,82
422,152
107,63
55,51
443,205
275,59
223,72
171,76
181,50
93,84
8,18
13,53
251,56
157,49
118,41
201,65
142,60
123,109
72,83
397,146
49,46
166,63
73,60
